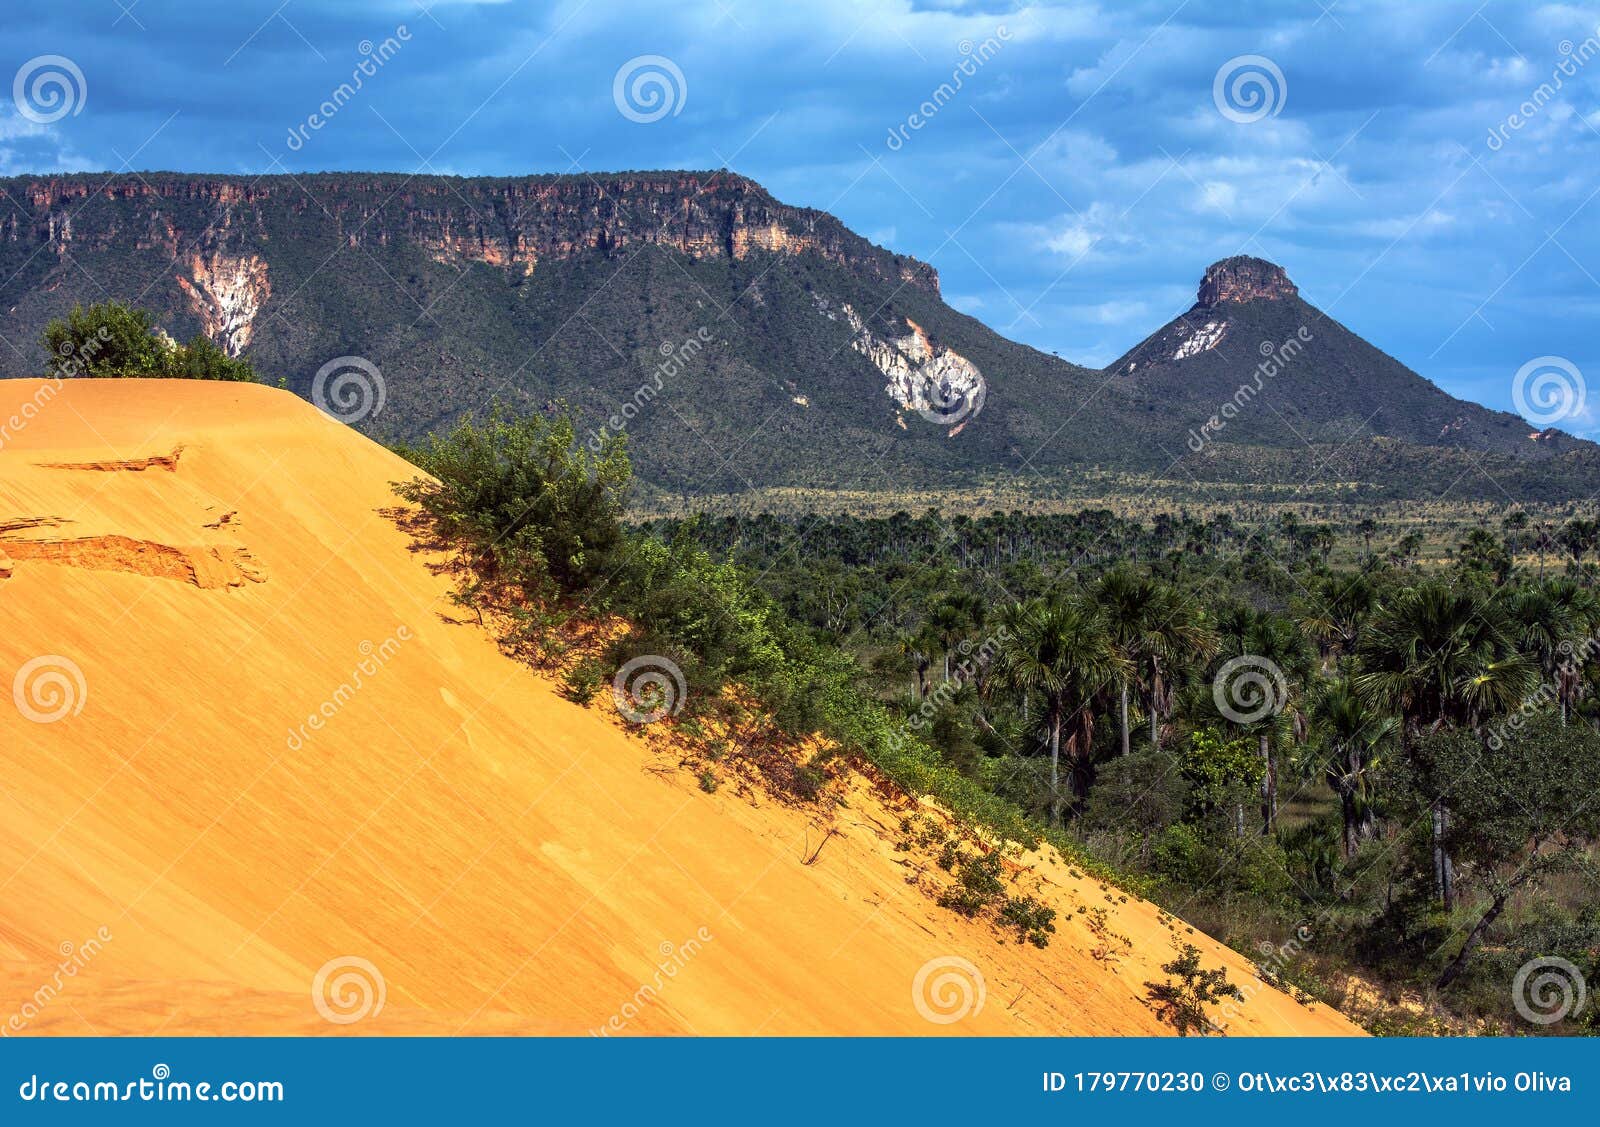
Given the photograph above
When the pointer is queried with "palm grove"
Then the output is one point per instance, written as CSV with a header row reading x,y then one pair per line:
x,y
1391,755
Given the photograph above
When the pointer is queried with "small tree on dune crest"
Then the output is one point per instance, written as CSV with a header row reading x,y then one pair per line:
x,y
116,341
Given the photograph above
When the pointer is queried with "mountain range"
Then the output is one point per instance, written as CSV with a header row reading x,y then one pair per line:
x,y
741,343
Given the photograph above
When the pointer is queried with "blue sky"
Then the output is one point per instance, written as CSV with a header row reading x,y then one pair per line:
x,y
1071,191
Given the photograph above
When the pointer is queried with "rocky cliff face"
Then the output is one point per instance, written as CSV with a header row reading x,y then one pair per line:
x,y
512,223
1243,278
226,293
1230,282
938,383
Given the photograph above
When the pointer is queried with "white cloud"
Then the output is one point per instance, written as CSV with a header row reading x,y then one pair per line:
x,y
1120,312
1218,195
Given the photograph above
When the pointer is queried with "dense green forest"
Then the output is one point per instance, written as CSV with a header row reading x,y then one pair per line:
x,y
1384,774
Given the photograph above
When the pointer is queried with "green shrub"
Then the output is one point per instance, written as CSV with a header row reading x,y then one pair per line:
x,y
1183,1002
113,340
583,681
533,504
809,780
1035,922
978,885
106,340
200,359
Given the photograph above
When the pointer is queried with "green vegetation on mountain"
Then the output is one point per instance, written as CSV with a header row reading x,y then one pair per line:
x,y
709,320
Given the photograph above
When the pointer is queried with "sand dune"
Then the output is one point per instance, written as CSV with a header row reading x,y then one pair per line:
x,y
189,572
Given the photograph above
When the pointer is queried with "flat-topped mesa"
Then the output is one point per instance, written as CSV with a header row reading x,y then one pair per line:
x,y
511,222
1242,278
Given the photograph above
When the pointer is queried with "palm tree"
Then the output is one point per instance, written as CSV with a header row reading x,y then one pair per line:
x,y
1333,610
1544,542
1271,643
1322,538
1062,650
1128,603
1441,655
1550,623
1348,752
1482,551
1180,640
1406,549
1579,537
1368,528
913,646
948,624
1514,523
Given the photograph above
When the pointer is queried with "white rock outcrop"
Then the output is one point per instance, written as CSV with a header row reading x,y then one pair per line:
x,y
227,293
1203,339
939,383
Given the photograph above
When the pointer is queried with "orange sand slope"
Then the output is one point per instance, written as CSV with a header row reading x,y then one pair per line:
x,y
188,571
